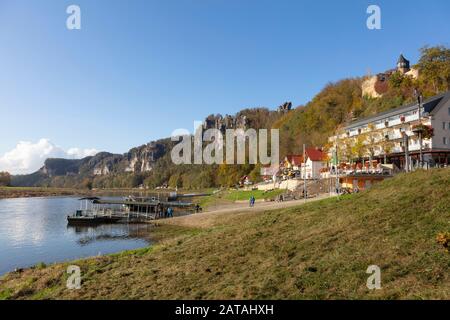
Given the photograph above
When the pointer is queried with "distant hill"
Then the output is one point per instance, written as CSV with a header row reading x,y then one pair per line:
x,y
73,172
148,164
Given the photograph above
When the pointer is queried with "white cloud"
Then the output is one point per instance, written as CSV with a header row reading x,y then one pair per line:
x,y
77,153
27,157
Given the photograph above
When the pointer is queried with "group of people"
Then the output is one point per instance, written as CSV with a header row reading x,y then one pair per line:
x,y
252,201
167,213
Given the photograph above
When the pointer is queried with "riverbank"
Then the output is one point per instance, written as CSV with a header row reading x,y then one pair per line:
x,y
213,201
318,250
29,192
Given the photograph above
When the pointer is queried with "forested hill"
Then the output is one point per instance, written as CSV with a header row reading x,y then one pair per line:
x,y
312,124
343,101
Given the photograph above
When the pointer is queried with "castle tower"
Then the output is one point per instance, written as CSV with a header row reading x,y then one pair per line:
x,y
403,64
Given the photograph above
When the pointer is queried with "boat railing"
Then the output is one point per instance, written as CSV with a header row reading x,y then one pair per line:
x,y
109,212
128,210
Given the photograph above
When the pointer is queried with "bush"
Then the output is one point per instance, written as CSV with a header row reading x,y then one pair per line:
x,y
444,240
5,179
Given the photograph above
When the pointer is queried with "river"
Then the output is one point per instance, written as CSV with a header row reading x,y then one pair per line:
x,y
34,230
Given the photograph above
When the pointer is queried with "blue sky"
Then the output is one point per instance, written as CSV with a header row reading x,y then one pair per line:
x,y
137,70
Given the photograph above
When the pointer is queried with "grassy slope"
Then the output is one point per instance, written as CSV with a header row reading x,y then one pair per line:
x,y
319,250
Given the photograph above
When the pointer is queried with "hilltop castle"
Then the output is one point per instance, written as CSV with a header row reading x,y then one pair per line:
x,y
376,86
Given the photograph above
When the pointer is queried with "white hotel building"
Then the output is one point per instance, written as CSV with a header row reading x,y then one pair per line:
x,y
390,127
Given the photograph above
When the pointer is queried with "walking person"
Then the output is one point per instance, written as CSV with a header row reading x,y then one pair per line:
x,y
160,210
252,201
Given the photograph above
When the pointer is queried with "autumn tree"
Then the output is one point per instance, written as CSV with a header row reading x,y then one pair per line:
x,y
371,138
434,67
386,144
5,179
345,147
359,147
87,184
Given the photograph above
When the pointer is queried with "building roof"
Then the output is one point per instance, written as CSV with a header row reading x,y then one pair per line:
x,y
402,59
315,154
294,158
89,198
441,103
150,203
312,153
430,106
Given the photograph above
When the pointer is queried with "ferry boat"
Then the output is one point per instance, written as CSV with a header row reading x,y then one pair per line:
x,y
94,210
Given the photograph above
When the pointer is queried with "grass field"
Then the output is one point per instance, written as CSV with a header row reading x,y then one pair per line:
x,y
230,196
237,195
320,250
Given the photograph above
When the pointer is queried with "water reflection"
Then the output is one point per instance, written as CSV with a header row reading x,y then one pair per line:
x,y
35,230
110,232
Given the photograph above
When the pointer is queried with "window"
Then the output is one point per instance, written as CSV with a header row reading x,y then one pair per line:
x,y
444,140
443,125
449,111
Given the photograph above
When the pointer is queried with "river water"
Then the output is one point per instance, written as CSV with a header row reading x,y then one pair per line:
x,y
34,230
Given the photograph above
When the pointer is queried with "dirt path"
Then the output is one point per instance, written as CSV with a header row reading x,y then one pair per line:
x,y
208,218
